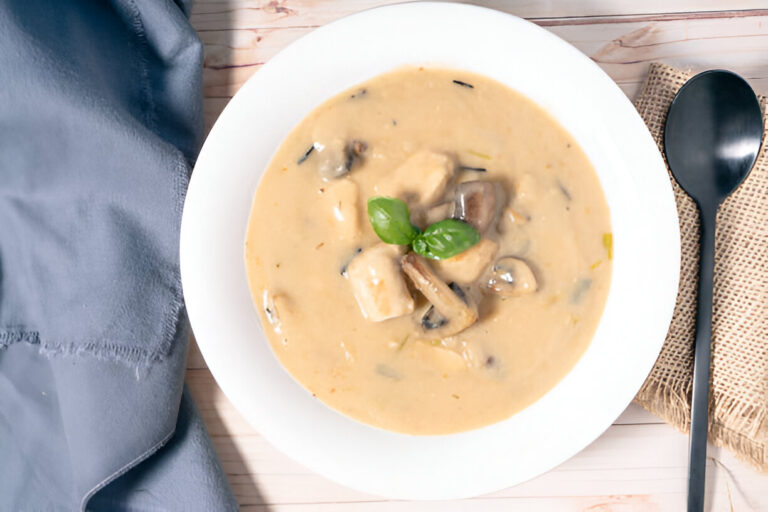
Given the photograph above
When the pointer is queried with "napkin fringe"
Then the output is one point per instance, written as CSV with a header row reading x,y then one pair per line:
x,y
104,351
8,338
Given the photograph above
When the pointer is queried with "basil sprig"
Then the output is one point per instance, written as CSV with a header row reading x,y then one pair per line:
x,y
445,238
391,221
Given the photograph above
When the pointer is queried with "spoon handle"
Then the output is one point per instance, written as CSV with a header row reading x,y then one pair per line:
x,y
697,449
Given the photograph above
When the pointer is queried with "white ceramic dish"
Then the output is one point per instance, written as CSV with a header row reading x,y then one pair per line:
x,y
564,82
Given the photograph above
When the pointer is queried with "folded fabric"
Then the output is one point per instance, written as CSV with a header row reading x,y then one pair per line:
x,y
100,121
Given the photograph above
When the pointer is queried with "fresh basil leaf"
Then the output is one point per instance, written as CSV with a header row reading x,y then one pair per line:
x,y
445,239
391,220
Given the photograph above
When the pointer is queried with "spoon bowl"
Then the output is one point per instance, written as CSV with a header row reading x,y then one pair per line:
x,y
713,134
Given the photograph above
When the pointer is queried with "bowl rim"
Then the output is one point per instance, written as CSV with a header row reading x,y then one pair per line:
x,y
468,463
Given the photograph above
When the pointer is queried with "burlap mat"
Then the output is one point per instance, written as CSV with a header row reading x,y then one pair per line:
x,y
738,398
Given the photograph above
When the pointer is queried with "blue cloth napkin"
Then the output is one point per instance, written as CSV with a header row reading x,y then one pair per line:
x,y
100,121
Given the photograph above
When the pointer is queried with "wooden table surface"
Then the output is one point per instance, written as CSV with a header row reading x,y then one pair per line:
x,y
639,463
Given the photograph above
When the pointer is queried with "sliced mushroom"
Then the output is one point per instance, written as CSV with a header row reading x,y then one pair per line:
x,y
354,151
338,157
421,179
433,319
378,284
468,265
512,277
458,290
476,203
459,312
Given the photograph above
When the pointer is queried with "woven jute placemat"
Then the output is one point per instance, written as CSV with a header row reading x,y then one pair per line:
x,y
738,413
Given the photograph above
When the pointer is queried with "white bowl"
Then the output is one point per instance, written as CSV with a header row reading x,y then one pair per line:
x,y
571,88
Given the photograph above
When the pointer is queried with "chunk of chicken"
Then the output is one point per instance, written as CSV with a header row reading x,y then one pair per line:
x,y
467,266
343,200
378,284
456,308
421,179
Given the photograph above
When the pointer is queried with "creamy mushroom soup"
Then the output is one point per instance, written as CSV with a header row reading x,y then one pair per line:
x,y
498,273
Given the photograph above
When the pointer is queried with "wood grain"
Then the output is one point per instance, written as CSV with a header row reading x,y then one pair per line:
x,y
623,47
639,464
250,14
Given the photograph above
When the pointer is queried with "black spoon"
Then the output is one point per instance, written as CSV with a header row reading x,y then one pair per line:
x,y
711,139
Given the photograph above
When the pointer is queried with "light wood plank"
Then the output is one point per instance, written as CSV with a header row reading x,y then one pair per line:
x,y
609,503
639,503
251,14
232,56
622,49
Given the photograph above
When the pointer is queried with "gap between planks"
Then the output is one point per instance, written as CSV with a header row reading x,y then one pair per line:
x,y
644,18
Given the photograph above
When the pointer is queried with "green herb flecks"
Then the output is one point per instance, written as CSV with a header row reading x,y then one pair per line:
x,y
478,154
608,244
